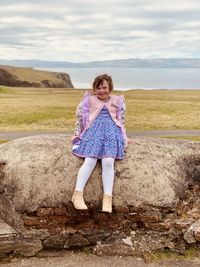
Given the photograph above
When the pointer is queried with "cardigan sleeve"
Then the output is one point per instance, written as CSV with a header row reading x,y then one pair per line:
x,y
121,115
82,113
78,123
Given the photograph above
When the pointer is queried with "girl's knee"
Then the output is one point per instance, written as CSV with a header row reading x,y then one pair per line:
x,y
90,162
108,162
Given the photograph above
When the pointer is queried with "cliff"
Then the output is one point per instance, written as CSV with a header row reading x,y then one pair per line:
x,y
29,77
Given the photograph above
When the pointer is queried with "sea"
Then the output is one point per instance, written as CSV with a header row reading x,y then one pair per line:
x,y
137,78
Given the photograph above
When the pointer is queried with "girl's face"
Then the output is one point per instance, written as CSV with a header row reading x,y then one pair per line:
x,y
103,91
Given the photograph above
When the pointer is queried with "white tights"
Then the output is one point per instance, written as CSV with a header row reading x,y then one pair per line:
x,y
107,174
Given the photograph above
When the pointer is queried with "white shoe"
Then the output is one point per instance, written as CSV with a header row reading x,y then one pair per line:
x,y
107,203
78,201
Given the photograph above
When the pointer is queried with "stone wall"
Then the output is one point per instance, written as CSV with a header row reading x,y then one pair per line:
x,y
155,206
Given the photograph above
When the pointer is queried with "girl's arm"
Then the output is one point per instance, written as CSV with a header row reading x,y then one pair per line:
x,y
81,117
123,112
78,123
122,117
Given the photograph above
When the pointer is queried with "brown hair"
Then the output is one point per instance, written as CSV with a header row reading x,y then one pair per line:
x,y
99,80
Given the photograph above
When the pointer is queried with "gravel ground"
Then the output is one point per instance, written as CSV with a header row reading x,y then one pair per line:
x,y
72,259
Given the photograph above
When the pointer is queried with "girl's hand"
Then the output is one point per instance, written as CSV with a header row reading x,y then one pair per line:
x,y
129,141
73,138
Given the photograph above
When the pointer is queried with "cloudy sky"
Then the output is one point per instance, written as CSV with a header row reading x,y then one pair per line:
x,y
88,30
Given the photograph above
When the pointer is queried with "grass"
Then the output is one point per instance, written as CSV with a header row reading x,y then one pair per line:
x,y
29,109
190,253
163,109
3,141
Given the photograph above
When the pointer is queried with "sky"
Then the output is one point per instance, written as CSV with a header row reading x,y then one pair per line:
x,y
90,30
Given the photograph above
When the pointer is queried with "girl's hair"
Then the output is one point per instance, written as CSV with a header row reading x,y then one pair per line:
x,y
99,80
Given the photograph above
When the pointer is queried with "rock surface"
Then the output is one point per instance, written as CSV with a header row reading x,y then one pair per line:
x,y
28,77
156,197
155,172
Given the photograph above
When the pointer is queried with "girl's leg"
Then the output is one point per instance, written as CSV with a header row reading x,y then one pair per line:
x,y
82,178
84,173
108,175
108,180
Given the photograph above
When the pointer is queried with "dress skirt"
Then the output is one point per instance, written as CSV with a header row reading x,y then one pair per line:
x,y
103,139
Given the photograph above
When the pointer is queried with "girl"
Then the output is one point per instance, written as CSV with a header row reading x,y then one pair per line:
x,y
100,134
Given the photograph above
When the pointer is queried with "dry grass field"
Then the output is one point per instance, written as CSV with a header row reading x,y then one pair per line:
x,y
28,109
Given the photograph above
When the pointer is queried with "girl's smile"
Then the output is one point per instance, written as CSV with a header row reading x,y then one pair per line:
x,y
103,91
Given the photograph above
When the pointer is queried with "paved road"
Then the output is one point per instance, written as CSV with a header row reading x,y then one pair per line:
x,y
16,135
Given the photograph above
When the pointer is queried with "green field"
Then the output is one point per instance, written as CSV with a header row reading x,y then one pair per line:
x,y
28,109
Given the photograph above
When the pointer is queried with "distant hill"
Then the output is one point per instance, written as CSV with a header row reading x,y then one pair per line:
x,y
116,63
28,77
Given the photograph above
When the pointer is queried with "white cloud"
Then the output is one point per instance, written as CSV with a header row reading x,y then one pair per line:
x,y
85,30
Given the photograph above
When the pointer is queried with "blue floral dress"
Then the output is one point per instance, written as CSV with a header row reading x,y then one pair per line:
x,y
103,139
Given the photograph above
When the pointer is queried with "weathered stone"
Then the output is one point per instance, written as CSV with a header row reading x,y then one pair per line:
x,y
192,234
139,209
19,246
39,234
95,236
197,234
27,248
45,212
196,229
194,213
101,218
2,165
7,212
183,223
78,240
189,237
78,216
151,241
35,221
49,222
116,248
159,205
60,211
151,217
123,210
6,230
160,226
133,216
55,241
38,162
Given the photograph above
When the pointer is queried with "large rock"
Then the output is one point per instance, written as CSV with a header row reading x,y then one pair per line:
x,y
41,171
156,198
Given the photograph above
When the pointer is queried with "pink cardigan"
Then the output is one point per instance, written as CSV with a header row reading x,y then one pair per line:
x,y
89,108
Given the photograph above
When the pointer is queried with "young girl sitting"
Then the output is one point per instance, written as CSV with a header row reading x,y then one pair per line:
x,y
100,134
